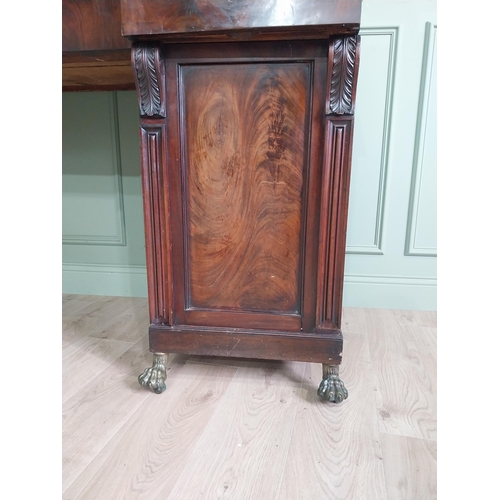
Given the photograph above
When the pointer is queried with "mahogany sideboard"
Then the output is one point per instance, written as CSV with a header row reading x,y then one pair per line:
x,y
246,125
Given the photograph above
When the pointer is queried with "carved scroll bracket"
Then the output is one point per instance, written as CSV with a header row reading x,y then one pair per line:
x,y
149,79
342,66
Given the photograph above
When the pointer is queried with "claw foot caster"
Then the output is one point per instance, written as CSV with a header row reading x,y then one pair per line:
x,y
154,378
331,387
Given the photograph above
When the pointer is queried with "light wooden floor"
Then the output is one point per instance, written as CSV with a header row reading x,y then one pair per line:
x,y
240,429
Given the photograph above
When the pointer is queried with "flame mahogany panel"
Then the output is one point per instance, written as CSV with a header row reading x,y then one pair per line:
x,y
244,133
245,144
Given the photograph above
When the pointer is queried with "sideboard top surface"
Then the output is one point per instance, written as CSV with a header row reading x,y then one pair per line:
x,y
203,17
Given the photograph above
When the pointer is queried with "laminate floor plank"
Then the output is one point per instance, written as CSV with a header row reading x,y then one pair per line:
x,y
96,317
363,320
404,369
354,320
128,326
68,297
74,303
335,452
87,359
410,467
97,411
244,449
145,457
420,318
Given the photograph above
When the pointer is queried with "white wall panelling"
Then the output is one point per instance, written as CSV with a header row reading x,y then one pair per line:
x,y
92,201
421,235
103,246
392,211
370,155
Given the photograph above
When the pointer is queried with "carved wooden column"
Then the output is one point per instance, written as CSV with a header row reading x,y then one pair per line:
x,y
150,84
343,58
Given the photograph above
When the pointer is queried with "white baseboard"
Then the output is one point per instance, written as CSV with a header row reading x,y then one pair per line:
x,y
99,279
383,292
390,292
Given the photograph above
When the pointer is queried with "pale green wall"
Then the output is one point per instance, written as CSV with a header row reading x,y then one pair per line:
x,y
103,228
391,238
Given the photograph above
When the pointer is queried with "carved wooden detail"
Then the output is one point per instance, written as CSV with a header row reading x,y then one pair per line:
x,y
334,196
149,79
154,197
342,64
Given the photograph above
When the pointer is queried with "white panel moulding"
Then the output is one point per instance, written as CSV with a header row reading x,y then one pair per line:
x,y
119,238
421,168
373,246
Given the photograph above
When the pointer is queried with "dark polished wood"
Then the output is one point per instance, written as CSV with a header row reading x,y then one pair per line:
x,y
246,164
239,18
92,25
243,240
246,178
97,70
241,343
95,55
248,231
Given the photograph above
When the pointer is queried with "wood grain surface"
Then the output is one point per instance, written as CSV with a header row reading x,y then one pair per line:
x,y
404,360
245,163
259,344
248,451
74,303
335,452
410,467
205,16
85,76
84,431
92,25
333,223
84,359
226,427
125,325
94,318
149,452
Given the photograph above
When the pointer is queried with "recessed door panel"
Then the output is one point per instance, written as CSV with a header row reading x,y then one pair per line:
x,y
244,148
244,159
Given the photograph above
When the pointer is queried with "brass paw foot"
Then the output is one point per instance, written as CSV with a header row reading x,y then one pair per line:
x,y
154,378
331,387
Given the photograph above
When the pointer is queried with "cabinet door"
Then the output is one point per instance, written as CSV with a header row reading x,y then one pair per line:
x,y
244,129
